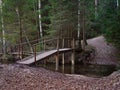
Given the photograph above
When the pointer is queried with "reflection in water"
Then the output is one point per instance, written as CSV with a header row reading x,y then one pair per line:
x,y
88,70
63,68
72,69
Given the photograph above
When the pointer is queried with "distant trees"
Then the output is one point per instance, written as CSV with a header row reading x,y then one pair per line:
x,y
68,20
31,19
109,20
82,19
63,17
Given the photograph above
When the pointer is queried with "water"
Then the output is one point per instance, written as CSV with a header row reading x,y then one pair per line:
x,y
88,70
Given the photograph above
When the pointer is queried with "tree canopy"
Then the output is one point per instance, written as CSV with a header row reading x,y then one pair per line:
x,y
60,18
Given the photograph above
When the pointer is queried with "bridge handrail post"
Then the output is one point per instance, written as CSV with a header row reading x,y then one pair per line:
x,y
19,50
44,44
68,43
34,50
58,41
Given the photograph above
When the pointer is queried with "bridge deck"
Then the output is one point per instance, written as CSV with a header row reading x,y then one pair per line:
x,y
41,56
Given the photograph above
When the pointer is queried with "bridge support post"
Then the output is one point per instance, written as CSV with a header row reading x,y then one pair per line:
x,y
63,55
57,62
63,58
73,58
44,43
63,68
73,52
45,62
19,50
57,56
72,69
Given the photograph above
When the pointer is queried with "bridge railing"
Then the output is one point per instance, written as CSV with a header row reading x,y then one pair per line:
x,y
49,44
56,44
41,45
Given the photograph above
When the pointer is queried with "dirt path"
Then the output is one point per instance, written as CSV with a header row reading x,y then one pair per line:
x,y
105,53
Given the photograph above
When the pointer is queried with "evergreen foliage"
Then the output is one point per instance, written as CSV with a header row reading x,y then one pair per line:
x,y
109,20
60,18
63,17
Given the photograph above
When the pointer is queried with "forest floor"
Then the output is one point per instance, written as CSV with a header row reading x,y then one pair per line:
x,y
21,77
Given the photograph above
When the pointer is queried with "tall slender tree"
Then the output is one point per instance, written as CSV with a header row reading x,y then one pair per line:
x,y
3,29
84,25
79,37
96,9
78,19
39,15
117,3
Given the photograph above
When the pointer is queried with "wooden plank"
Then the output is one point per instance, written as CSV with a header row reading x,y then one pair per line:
x,y
41,56
38,57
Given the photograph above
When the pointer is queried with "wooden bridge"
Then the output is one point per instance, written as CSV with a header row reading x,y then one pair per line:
x,y
51,47
41,56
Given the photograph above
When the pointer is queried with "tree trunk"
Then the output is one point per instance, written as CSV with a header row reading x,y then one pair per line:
x,y
96,7
3,30
21,34
79,39
28,41
39,16
78,19
117,3
84,30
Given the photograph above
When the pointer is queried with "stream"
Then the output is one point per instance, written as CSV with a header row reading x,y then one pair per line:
x,y
80,69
